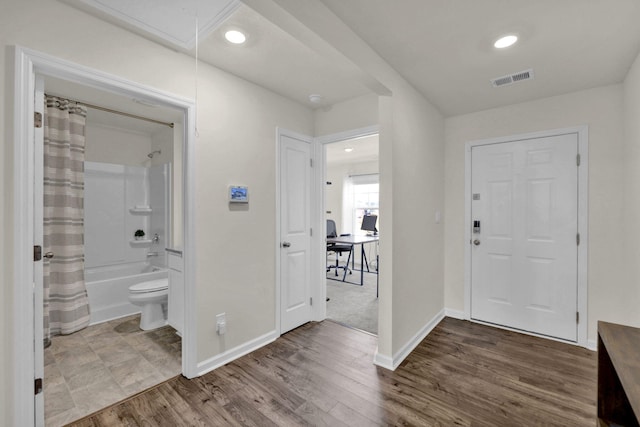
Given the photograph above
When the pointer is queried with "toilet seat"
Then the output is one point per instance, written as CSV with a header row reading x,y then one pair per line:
x,y
149,286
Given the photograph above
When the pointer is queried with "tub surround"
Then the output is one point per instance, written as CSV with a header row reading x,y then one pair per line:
x,y
120,199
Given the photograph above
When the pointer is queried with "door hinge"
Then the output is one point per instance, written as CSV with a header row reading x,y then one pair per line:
x,y
37,389
577,317
37,253
578,159
311,301
311,232
311,162
37,119
578,239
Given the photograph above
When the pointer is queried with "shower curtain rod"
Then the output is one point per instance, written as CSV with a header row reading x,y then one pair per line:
x,y
121,113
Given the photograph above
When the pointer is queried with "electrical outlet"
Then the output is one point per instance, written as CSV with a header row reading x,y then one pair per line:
x,y
221,323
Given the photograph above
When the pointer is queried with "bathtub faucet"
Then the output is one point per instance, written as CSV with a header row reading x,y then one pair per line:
x,y
150,254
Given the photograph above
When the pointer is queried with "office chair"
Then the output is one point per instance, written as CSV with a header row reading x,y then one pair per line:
x,y
338,249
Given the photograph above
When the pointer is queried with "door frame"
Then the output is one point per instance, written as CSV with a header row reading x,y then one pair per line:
x,y
582,133
27,64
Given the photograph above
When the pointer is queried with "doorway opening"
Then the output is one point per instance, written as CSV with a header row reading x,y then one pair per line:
x,y
35,74
353,221
129,200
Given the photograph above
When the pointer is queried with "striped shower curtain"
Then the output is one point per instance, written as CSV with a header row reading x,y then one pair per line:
x,y
66,305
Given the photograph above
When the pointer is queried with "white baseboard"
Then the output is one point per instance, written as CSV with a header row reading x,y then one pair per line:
x,y
235,353
456,314
592,345
392,363
383,361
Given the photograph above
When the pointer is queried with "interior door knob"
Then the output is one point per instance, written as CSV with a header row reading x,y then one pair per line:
x,y
48,255
286,244
476,242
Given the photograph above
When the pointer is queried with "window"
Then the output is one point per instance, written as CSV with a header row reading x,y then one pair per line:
x,y
361,197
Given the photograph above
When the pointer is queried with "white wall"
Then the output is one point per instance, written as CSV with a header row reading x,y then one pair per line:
x,y
631,155
355,113
411,146
108,144
417,165
237,120
602,110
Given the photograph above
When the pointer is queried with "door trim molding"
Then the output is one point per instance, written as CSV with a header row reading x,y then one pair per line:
x,y
28,63
583,204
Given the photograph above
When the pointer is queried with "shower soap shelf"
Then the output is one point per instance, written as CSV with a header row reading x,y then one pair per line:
x,y
142,210
142,242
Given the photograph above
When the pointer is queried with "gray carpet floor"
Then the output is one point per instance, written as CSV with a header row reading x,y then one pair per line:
x,y
353,305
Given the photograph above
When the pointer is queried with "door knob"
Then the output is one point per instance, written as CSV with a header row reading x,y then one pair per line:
x,y
476,242
48,255
286,244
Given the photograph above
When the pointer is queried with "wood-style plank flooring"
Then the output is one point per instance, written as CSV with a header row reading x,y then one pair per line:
x,y
462,374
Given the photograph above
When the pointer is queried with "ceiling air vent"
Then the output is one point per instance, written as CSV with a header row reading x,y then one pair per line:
x,y
513,78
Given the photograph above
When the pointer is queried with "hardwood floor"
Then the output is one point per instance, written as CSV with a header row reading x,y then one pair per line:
x,y
462,374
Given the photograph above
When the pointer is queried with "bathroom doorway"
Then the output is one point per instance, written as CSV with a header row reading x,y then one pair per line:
x,y
128,233
28,314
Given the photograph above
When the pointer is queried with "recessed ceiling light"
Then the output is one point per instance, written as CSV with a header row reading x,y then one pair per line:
x,y
315,98
235,37
348,149
505,41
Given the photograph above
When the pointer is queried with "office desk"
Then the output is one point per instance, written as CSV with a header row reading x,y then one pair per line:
x,y
356,240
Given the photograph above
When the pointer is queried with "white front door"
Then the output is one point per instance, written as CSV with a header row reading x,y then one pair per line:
x,y
295,230
524,249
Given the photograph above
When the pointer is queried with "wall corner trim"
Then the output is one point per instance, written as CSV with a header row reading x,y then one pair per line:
x,y
383,361
456,314
236,352
398,358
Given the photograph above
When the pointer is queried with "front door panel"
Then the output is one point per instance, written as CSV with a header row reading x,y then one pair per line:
x,y
524,258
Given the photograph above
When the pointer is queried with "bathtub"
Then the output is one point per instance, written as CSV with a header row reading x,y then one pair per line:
x,y
108,288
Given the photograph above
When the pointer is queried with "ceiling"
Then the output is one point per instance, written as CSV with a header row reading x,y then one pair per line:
x,y
365,149
274,59
442,47
163,20
271,57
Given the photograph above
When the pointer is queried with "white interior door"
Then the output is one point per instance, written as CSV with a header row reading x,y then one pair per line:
x,y
524,255
295,230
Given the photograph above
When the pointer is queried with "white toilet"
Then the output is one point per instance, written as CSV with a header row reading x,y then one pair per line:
x,y
150,297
